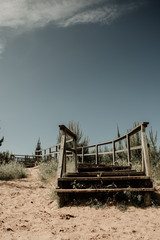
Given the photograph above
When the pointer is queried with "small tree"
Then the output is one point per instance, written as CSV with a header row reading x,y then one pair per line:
x,y
38,150
1,141
75,128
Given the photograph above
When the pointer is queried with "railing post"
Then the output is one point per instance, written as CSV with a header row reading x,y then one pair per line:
x,y
96,154
61,156
128,148
114,154
45,155
55,155
145,151
82,154
50,155
75,152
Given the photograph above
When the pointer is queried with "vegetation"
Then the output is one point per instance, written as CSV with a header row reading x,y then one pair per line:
x,y
47,170
12,170
75,128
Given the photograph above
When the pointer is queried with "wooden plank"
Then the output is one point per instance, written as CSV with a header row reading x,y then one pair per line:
x,y
96,148
104,190
114,173
114,155
63,179
82,154
75,153
61,156
128,149
145,151
68,131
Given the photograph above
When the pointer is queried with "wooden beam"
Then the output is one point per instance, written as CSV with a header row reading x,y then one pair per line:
x,y
61,157
114,155
104,190
114,178
68,131
128,148
145,151
96,154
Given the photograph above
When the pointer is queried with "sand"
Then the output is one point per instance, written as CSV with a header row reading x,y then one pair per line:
x,y
28,212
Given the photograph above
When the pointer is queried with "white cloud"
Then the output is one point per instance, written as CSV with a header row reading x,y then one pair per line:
x,y
21,15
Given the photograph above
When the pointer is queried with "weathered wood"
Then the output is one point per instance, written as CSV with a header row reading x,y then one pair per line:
x,y
61,157
75,153
145,151
82,154
100,167
128,148
68,131
147,198
96,154
63,179
111,173
114,155
89,190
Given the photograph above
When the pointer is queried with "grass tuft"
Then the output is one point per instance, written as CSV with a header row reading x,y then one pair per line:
x,y
47,170
12,170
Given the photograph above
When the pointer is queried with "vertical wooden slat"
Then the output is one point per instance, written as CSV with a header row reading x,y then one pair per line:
x,y
61,157
128,148
82,154
55,155
114,155
96,148
50,156
145,151
75,153
44,154
143,161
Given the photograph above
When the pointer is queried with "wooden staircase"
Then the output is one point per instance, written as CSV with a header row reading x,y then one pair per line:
x,y
102,178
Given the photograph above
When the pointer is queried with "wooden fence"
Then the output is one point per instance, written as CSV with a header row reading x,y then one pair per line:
x,y
62,150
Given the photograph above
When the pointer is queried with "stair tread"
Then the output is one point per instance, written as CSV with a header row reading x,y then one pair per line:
x,y
87,190
104,173
103,178
91,168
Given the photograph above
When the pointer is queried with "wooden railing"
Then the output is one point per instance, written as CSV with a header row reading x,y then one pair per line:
x,y
64,149
143,147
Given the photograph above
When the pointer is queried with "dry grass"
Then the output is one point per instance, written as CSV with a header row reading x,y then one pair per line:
x,y
47,170
12,170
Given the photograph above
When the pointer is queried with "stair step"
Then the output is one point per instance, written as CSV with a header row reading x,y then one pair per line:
x,y
104,190
104,173
100,167
113,178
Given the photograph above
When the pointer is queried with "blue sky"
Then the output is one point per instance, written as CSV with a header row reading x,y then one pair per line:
x,y
95,61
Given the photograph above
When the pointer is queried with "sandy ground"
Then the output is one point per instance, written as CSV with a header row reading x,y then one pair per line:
x,y
27,212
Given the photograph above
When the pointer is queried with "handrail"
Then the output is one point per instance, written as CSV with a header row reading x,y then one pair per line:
x,y
145,157
68,131
64,149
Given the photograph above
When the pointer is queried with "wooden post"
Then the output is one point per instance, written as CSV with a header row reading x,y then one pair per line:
x,y
50,155
114,154
147,199
44,155
96,154
143,169
75,153
82,154
145,151
55,155
61,157
128,148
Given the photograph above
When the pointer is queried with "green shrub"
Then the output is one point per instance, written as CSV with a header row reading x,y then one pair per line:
x,y
12,170
47,170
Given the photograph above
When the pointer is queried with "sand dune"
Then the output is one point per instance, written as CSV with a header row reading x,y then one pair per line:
x,y
27,212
